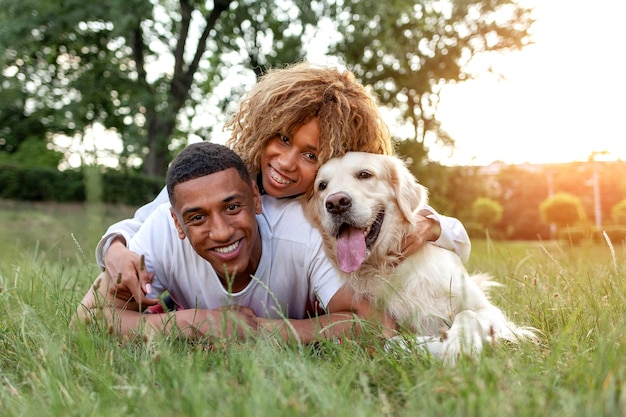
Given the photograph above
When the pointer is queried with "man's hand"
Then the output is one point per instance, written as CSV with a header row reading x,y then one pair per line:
x,y
225,322
101,303
127,274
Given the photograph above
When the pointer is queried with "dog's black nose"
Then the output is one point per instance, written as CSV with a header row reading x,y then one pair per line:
x,y
338,203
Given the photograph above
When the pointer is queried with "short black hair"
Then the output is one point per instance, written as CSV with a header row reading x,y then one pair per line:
x,y
201,159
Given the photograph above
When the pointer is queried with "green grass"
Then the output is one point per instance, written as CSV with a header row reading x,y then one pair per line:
x,y
576,296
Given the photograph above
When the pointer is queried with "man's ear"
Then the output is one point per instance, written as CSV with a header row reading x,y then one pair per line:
x,y
256,197
177,223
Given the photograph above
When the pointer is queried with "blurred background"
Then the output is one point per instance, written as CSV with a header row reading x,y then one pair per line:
x,y
509,111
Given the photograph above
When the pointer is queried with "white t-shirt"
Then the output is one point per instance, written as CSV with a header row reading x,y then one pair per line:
x,y
292,274
453,235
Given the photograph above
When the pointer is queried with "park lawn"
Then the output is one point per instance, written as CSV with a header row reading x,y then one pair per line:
x,y
576,297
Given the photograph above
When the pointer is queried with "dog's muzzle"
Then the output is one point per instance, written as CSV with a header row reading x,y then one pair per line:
x,y
338,203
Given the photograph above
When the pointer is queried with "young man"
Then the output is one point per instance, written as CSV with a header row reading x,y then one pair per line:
x,y
221,256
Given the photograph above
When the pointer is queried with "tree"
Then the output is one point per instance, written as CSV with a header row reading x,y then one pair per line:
x,y
34,153
520,190
148,69
562,209
134,66
407,50
487,212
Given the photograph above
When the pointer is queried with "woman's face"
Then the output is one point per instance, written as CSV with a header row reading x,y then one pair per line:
x,y
289,164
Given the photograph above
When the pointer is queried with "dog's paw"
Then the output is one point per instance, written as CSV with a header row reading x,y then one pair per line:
x,y
427,345
464,338
456,346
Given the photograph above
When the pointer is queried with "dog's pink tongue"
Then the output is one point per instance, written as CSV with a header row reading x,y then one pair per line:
x,y
351,249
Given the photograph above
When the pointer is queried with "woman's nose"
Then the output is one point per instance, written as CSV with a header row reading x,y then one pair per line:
x,y
288,159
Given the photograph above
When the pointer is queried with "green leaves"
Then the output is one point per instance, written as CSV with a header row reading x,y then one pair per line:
x,y
407,50
158,72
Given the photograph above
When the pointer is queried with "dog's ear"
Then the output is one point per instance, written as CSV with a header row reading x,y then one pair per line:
x,y
411,195
309,203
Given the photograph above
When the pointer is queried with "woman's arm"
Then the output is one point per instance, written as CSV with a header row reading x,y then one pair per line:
x,y
113,255
124,230
445,232
453,234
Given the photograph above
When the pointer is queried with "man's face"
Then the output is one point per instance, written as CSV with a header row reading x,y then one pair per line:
x,y
217,214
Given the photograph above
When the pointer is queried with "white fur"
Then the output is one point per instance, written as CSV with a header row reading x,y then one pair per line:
x,y
429,292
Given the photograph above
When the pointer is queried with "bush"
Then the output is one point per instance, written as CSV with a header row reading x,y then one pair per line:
x,y
134,190
474,230
562,209
49,184
618,213
617,234
575,234
486,211
40,184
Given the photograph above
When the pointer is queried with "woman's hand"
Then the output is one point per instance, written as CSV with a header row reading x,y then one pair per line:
x,y
427,230
127,273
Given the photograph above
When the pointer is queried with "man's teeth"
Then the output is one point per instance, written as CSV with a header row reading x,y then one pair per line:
x,y
279,178
227,249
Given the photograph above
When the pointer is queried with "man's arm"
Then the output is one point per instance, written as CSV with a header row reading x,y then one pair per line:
x,y
345,318
121,315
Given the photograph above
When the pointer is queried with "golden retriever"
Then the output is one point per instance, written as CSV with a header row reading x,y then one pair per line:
x,y
365,204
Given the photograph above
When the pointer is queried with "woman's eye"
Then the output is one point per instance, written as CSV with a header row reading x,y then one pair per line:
x,y
310,156
283,138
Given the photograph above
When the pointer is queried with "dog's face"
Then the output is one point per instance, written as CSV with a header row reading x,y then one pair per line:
x,y
364,204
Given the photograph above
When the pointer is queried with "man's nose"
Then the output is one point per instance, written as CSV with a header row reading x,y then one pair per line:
x,y
220,229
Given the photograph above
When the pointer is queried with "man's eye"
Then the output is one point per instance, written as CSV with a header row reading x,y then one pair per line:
x,y
232,207
195,218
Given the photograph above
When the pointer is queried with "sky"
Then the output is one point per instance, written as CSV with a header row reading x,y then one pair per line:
x,y
559,100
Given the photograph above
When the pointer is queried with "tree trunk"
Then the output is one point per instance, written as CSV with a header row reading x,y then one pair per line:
x,y
160,129
162,124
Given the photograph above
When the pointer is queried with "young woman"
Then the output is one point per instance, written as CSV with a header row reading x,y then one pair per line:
x,y
291,122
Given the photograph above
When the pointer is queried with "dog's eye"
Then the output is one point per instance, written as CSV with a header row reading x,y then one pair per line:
x,y
322,185
363,175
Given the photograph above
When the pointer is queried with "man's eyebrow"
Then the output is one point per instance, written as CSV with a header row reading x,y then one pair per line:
x,y
232,197
228,199
190,210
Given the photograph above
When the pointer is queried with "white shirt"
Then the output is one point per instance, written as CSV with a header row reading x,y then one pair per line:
x,y
453,235
292,274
